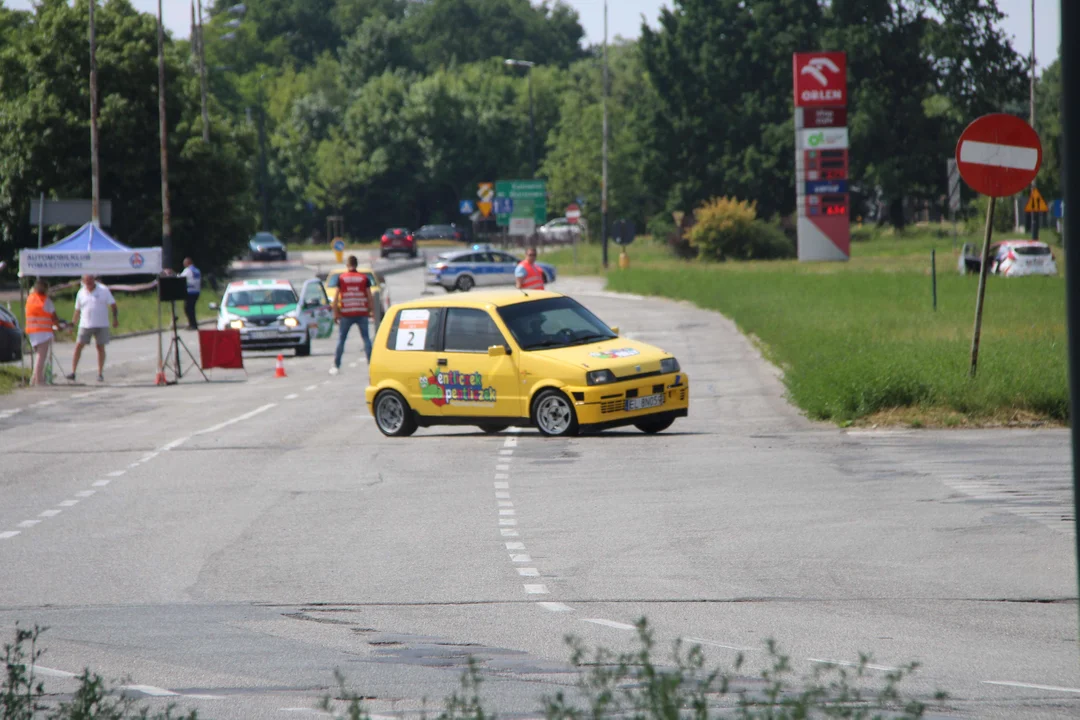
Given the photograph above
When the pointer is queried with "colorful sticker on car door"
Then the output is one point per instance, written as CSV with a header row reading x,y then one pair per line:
x,y
412,330
453,387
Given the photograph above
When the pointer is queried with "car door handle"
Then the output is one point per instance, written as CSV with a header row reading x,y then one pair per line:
x,y
441,361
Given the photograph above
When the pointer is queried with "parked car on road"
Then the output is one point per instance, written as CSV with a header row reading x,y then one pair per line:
x,y
480,267
264,246
501,359
397,240
11,337
270,315
559,230
441,232
1010,258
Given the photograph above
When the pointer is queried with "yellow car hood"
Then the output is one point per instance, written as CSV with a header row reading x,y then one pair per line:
x,y
621,356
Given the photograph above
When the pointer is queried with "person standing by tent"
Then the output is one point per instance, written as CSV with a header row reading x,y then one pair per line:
x,y
40,319
194,287
92,306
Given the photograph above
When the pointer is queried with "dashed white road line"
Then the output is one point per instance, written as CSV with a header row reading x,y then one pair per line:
x,y
116,473
50,672
536,589
507,521
102,483
507,511
309,388
502,476
352,365
502,486
502,468
9,534
506,452
150,690
85,493
1031,686
291,396
555,607
520,558
508,532
515,546
28,523
609,623
68,503
528,572
50,513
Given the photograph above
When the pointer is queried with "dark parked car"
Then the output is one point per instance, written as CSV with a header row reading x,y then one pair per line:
x,y
441,232
264,246
10,337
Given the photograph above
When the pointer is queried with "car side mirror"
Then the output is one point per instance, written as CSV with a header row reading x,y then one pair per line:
x,y
615,329
213,306
498,351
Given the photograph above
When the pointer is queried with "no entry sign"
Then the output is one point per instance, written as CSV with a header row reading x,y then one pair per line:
x,y
999,155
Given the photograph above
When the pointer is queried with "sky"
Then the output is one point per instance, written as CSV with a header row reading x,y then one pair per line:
x,y
624,18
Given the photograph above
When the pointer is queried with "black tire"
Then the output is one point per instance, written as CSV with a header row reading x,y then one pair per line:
x,y
652,427
413,255
305,349
284,256
493,429
393,416
384,254
465,283
553,414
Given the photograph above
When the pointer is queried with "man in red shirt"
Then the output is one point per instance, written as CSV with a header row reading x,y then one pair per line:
x,y
352,306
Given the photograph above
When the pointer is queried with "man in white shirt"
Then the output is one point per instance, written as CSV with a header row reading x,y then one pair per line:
x,y
194,285
92,306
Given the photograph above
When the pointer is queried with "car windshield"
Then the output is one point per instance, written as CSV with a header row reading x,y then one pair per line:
x,y
267,239
554,322
261,296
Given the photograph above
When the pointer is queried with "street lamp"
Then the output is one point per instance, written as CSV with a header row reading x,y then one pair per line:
x,y
532,120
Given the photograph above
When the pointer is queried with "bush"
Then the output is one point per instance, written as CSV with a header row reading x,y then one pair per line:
x,y
728,229
1003,215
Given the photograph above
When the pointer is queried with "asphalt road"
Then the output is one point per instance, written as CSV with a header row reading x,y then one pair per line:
x,y
227,546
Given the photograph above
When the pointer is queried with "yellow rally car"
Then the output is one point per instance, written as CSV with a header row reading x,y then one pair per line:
x,y
508,358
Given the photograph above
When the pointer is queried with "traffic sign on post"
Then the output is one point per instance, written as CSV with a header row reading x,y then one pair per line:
x,y
528,200
573,213
1036,203
999,155
953,174
486,193
465,207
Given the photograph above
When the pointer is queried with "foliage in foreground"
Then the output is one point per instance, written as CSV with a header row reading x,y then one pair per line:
x,y
21,693
728,229
610,685
633,684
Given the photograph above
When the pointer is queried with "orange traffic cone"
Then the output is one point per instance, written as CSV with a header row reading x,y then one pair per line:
x,y
160,379
279,371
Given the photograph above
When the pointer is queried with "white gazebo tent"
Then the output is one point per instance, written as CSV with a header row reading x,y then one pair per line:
x,y
89,251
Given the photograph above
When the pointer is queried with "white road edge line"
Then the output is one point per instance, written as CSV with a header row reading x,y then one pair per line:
x,y
214,428
847,663
609,623
1031,686
150,690
555,607
50,672
713,643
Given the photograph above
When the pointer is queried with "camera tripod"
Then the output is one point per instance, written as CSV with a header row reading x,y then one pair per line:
x,y
172,361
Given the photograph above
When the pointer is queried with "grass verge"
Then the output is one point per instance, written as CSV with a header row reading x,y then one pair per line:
x,y
11,376
860,342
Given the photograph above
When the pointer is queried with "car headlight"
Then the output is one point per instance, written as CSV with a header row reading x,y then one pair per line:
x,y
669,365
291,322
236,324
600,377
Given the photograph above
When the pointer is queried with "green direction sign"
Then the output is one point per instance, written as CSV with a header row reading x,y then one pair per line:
x,y
528,198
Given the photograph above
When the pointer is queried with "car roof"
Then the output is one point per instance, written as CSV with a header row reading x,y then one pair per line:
x,y
1021,243
498,298
263,282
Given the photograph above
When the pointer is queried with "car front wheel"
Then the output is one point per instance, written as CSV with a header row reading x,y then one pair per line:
x,y
553,414
652,427
305,349
393,415
465,283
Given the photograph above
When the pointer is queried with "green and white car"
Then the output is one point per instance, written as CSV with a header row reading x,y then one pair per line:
x,y
271,316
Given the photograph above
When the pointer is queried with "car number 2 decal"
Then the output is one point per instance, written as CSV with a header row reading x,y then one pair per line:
x,y
412,330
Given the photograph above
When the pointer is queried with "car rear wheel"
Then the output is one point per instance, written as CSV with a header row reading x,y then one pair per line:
x,y
652,427
393,415
493,429
464,283
553,414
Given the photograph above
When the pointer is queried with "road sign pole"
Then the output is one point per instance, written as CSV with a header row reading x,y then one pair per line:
x,y
1070,118
983,268
933,275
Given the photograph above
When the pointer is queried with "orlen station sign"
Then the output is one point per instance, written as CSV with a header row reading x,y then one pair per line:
x,y
821,156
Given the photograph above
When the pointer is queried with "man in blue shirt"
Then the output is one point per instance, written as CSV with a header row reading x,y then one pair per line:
x,y
194,286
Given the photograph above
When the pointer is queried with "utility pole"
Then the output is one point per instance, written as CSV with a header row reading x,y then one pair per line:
x,y
166,219
532,126
95,170
1070,118
1031,100
604,152
202,78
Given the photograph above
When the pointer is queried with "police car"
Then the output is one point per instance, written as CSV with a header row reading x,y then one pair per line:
x,y
271,316
480,266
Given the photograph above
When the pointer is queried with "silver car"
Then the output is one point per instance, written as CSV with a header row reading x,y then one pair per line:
x,y
480,267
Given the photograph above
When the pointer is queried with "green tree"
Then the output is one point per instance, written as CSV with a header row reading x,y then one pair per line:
x,y
1048,125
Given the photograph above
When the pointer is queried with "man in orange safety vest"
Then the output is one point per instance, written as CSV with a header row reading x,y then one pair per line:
x,y
528,274
40,319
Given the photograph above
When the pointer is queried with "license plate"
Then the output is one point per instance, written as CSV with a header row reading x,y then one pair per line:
x,y
263,334
641,403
